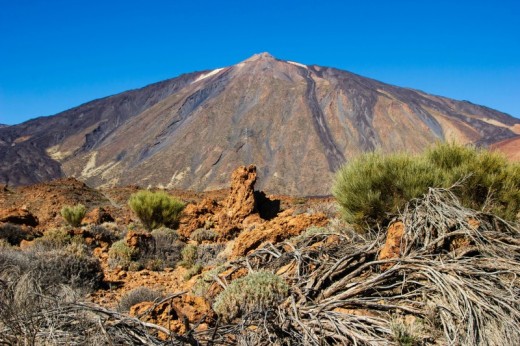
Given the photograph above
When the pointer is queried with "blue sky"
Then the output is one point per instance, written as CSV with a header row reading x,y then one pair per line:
x,y
55,55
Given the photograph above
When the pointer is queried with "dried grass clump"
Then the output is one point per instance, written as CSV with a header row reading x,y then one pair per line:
x,y
136,296
255,292
456,276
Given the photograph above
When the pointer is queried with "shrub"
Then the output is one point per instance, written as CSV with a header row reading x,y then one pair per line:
x,y
255,292
209,254
373,187
189,256
195,270
168,247
71,266
74,214
53,239
136,296
202,234
156,209
121,254
488,180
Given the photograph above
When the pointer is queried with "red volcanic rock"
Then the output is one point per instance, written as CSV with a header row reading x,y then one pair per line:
x,y
18,216
392,247
97,216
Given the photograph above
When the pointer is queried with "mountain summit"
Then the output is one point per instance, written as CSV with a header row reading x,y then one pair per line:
x,y
298,123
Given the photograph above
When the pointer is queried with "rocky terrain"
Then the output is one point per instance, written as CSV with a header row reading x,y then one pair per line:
x,y
297,123
424,280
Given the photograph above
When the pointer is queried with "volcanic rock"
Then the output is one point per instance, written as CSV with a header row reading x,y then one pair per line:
x,y
18,216
298,123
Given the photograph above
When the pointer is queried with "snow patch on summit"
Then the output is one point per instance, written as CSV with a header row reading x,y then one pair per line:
x,y
206,75
297,64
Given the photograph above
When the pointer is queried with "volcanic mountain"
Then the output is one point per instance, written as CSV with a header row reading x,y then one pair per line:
x,y
298,123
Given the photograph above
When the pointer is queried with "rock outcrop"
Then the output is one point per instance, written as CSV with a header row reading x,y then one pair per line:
x,y
18,216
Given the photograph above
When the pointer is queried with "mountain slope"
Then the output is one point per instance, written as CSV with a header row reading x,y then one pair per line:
x,y
297,123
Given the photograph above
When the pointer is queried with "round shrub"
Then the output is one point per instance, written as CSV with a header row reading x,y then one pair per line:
x,y
373,187
70,266
156,209
189,256
168,247
74,214
255,292
121,254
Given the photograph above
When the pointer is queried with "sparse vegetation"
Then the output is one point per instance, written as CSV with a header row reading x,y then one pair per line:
x,y
121,254
156,209
73,215
258,291
189,256
202,234
374,187
136,296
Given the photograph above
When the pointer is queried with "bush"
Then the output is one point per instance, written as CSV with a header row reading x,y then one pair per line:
x,y
74,215
72,266
53,239
195,270
202,234
156,209
136,296
488,180
168,247
258,291
373,187
189,256
121,254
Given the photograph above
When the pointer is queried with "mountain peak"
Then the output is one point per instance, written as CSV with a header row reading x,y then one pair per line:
x,y
260,56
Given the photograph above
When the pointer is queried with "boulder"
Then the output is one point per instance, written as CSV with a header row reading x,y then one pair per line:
x,y
241,200
98,216
143,242
18,216
278,229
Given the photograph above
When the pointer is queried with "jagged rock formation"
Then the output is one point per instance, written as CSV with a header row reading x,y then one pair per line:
x,y
296,123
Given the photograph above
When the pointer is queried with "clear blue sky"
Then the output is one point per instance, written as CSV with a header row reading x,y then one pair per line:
x,y
55,55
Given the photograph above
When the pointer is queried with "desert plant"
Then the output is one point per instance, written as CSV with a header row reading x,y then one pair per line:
x,y
403,335
136,296
487,180
255,292
168,247
196,269
203,234
374,187
121,254
156,209
189,256
74,214
52,239
73,266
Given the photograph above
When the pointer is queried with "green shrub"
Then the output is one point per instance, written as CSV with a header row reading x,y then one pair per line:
x,y
74,214
373,187
488,180
189,256
255,292
53,239
195,270
202,234
136,296
156,209
121,254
